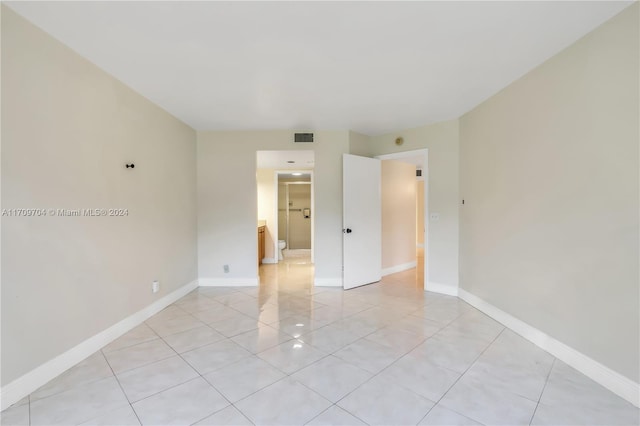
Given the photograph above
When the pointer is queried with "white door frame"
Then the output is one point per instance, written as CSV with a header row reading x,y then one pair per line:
x,y
425,175
276,173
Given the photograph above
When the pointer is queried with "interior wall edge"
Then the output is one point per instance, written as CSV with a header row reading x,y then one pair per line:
x,y
39,376
601,374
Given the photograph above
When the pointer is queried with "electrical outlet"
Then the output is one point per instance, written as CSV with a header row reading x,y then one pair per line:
x,y
226,269
434,217
155,286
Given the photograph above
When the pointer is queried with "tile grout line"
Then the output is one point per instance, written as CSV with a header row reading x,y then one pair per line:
x,y
327,355
120,385
461,375
289,375
199,375
374,375
150,363
543,388
252,354
396,360
380,308
182,383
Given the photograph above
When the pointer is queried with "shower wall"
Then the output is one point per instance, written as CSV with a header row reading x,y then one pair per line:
x,y
299,227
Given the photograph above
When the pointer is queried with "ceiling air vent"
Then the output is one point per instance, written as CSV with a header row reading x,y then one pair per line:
x,y
303,137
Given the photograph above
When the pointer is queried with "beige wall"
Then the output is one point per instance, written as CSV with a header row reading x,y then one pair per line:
x,y
359,144
441,140
549,175
68,129
266,209
398,213
227,213
420,212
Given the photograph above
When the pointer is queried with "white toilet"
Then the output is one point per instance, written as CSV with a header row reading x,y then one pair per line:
x,y
281,245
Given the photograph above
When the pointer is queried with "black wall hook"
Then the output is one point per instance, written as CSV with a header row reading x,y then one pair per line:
x,y
130,166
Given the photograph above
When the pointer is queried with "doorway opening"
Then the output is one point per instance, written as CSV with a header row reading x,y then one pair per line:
x,y
404,215
294,215
286,210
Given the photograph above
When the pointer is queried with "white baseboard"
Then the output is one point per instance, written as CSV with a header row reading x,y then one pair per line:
x,y
26,384
448,289
327,282
269,260
399,268
615,382
229,282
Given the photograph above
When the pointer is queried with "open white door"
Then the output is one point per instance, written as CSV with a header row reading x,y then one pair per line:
x,y
362,221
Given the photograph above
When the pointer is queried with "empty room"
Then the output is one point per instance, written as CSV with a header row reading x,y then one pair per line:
x,y
320,213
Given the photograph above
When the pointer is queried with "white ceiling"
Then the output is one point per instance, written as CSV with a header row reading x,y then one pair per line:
x,y
371,67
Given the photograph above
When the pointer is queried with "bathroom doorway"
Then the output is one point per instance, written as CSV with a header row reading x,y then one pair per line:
x,y
294,214
286,210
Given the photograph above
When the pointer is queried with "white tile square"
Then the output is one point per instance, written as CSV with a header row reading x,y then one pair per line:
x,y
181,405
229,416
332,377
523,381
261,339
192,339
286,402
335,416
380,402
330,339
419,326
291,356
439,416
298,325
95,367
16,415
165,327
153,378
570,396
124,416
216,355
141,333
230,299
421,377
218,313
243,378
368,355
236,325
171,311
454,354
197,304
79,404
488,404
396,338
138,355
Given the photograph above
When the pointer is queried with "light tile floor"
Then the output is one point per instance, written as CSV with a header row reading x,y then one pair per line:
x,y
287,353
